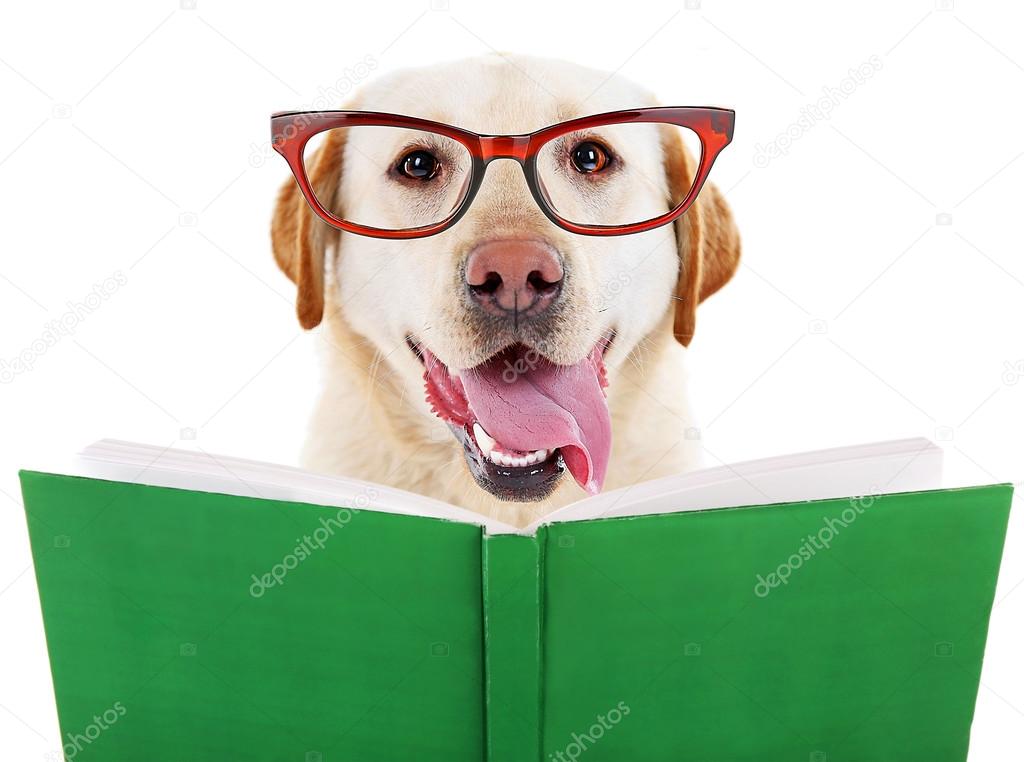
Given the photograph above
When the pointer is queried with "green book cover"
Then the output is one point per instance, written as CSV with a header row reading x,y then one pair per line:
x,y
186,624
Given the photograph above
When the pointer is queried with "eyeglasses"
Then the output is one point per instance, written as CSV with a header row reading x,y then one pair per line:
x,y
405,177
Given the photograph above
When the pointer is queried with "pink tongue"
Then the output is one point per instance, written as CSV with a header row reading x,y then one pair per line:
x,y
527,403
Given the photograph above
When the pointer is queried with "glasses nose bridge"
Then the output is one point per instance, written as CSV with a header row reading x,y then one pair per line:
x,y
504,147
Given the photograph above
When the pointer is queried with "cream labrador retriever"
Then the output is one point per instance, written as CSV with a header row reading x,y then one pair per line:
x,y
541,350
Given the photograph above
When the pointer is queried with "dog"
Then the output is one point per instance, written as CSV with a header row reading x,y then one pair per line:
x,y
406,346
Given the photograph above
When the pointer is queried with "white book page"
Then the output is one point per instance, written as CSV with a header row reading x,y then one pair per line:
x,y
903,465
898,466
205,472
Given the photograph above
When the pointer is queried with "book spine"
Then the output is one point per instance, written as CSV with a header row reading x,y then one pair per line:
x,y
513,657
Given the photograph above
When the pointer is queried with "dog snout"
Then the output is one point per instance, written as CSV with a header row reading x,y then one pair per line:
x,y
513,277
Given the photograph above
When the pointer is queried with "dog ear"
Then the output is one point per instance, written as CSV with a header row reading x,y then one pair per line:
x,y
708,241
299,237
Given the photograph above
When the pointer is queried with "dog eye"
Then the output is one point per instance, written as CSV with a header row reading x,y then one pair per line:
x,y
589,157
419,165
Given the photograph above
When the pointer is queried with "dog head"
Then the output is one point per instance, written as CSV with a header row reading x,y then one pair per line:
x,y
515,325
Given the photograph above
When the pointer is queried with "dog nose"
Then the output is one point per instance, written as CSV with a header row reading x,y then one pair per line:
x,y
514,276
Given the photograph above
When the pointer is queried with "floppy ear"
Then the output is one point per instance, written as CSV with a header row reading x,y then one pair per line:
x,y
299,237
709,243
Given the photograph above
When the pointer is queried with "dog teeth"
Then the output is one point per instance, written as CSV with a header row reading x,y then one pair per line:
x,y
483,439
507,459
491,450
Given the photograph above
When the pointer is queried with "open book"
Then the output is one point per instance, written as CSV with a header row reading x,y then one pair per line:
x,y
832,603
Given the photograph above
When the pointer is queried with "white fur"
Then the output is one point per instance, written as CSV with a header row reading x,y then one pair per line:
x,y
372,421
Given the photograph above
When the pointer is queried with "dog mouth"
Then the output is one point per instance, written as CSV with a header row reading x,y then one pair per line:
x,y
523,421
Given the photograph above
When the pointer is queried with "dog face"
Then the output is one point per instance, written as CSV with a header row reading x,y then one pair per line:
x,y
515,325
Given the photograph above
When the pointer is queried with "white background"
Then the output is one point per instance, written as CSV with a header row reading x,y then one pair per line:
x,y
134,145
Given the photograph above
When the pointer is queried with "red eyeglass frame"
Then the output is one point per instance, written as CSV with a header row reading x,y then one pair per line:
x,y
291,130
